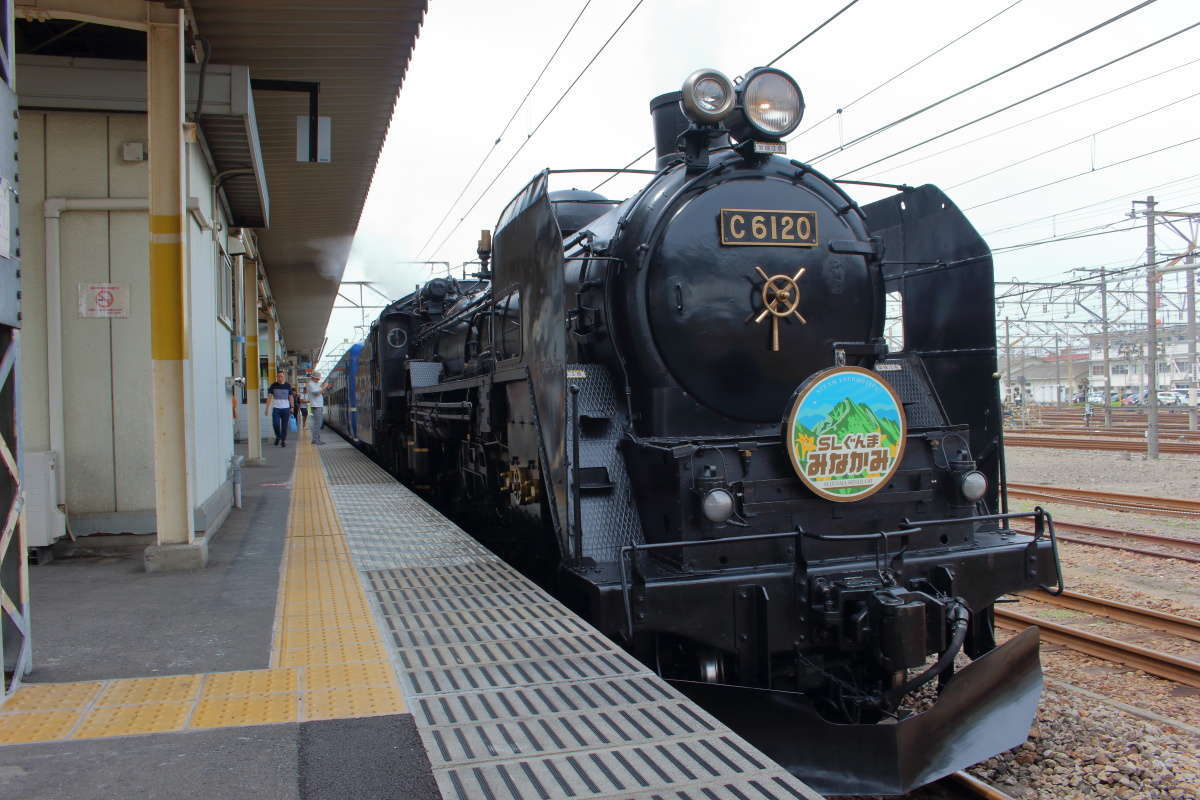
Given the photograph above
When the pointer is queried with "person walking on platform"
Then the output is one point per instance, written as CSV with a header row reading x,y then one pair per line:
x,y
281,395
316,405
302,405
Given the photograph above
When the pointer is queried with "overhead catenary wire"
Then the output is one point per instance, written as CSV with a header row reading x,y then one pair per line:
x,y
905,71
1110,274
507,125
798,42
1121,196
978,259
1086,234
636,159
814,32
1085,172
1023,100
1031,120
1083,138
541,122
982,82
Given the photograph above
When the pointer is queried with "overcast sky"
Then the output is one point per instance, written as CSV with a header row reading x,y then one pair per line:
x,y
475,60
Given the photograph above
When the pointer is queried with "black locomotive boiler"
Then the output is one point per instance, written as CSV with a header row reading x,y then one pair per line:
x,y
679,412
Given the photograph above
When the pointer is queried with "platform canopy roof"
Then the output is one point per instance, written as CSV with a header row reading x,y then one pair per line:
x,y
358,52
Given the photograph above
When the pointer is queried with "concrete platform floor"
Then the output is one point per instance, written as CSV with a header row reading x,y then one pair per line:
x,y
153,685
106,617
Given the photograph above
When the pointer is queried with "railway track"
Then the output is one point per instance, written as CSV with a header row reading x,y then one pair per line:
x,y
1111,538
1114,501
1123,612
1122,432
965,785
1164,665
1127,444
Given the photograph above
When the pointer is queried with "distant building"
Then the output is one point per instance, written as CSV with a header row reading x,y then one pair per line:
x,y
1128,360
1049,379
1044,379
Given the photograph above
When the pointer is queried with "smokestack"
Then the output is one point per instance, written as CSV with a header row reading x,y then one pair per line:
x,y
669,124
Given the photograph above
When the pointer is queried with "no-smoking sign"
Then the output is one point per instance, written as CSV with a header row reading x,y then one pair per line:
x,y
104,300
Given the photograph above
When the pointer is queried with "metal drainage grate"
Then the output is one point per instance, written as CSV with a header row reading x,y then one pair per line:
x,y
516,697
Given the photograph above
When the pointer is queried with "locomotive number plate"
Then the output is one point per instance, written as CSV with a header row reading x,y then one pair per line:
x,y
765,227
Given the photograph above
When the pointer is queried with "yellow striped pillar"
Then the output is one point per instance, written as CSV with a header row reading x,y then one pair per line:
x,y
272,346
168,275
254,407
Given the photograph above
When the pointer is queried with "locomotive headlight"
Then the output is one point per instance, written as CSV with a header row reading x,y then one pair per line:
x,y
707,96
973,485
772,102
717,505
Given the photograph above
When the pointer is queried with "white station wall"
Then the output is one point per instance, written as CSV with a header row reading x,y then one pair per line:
x,y
106,363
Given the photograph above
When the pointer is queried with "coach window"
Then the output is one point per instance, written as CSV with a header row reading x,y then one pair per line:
x,y
508,321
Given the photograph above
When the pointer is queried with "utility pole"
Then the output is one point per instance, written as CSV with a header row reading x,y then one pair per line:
x,y
1151,334
1058,392
1104,342
1191,335
1008,361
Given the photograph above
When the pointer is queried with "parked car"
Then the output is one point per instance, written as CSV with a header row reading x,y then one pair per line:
x,y
1169,399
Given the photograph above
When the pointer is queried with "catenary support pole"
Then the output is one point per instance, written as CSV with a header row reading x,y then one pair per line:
x,y
1104,341
1151,335
1058,388
1010,400
168,274
1191,337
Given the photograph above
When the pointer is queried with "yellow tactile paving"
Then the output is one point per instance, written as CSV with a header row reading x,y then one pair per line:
x,y
349,634
332,654
334,676
51,696
150,690
220,712
36,726
251,682
130,720
338,703
328,658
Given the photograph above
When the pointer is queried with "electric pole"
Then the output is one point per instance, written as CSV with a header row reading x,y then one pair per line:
x,y
1104,342
1008,362
1191,335
1058,392
1151,335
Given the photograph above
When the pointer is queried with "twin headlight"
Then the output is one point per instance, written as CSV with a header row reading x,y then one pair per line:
x,y
766,105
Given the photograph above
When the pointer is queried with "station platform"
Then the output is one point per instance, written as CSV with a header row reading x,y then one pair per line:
x,y
353,642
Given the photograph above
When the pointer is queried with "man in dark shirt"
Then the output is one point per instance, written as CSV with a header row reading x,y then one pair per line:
x,y
281,395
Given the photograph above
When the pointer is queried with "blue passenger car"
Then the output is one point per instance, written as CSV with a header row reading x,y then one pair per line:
x,y
341,411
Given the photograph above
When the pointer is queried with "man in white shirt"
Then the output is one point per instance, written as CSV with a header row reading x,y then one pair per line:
x,y
316,405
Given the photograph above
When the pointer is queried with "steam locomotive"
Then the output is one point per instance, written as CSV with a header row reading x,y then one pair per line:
x,y
679,412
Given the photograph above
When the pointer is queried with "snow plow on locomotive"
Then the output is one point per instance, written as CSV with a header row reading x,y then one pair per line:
x,y
679,412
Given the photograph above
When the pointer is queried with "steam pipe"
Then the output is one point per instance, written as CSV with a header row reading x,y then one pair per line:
x,y
959,617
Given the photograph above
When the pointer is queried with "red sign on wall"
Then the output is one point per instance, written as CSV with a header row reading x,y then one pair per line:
x,y
104,300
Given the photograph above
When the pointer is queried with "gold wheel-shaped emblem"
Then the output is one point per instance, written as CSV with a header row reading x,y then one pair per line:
x,y
781,298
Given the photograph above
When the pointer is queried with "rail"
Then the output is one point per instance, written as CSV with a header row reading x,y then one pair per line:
x,y
1182,549
1131,445
1124,612
1169,506
968,785
1164,665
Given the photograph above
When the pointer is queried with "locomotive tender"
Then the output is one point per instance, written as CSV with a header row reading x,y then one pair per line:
x,y
679,413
